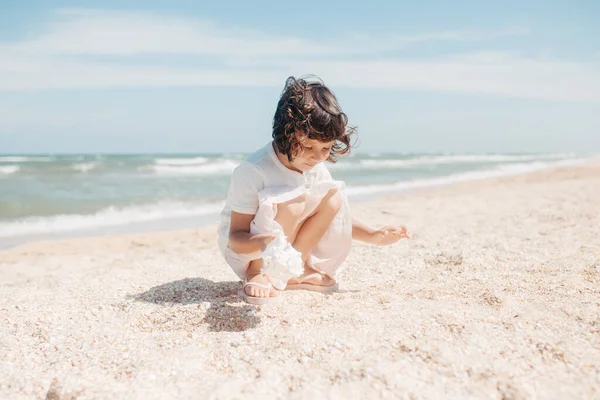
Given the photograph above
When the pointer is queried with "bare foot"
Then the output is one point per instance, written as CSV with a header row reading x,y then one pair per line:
x,y
316,278
259,291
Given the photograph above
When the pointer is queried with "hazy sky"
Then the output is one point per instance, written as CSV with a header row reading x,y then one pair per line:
x,y
196,76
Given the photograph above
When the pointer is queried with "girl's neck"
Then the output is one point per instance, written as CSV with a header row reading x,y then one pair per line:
x,y
284,160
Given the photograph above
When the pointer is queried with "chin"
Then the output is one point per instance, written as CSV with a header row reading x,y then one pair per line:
x,y
306,168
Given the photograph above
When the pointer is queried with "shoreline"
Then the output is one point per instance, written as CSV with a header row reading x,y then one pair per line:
x,y
211,219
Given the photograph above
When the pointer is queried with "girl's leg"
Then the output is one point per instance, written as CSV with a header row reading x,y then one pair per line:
x,y
305,233
314,227
304,224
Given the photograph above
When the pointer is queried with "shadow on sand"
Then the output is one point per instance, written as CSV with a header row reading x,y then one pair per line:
x,y
224,312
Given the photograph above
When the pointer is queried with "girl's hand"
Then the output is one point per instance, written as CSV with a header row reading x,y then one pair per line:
x,y
389,235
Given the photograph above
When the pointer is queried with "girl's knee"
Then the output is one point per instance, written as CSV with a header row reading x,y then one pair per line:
x,y
333,201
292,209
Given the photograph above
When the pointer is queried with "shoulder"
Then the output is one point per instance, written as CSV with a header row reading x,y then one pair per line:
x,y
247,171
262,161
254,163
259,157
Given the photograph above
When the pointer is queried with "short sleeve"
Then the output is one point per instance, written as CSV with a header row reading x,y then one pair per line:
x,y
246,182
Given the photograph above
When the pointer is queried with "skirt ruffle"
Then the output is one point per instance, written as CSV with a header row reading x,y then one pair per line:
x,y
333,248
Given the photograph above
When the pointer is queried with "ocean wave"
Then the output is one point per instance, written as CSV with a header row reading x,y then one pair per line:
x,y
504,170
447,159
181,161
111,216
212,168
9,169
20,159
84,167
114,216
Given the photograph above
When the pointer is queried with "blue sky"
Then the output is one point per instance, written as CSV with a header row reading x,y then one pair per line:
x,y
189,76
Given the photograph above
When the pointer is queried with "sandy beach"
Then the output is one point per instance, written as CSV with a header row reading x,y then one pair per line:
x,y
497,295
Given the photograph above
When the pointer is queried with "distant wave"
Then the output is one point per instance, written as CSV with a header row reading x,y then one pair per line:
x,y
113,216
504,170
216,167
181,161
449,159
84,167
20,159
110,216
9,169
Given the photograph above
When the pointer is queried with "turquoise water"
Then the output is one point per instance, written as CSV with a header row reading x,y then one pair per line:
x,y
75,194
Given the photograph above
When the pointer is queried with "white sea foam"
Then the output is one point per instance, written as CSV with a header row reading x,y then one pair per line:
x,y
503,170
217,167
447,159
20,159
84,167
108,217
181,161
113,216
9,169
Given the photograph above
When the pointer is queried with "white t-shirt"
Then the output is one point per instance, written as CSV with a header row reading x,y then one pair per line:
x,y
262,170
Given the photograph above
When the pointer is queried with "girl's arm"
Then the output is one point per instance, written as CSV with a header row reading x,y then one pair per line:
x,y
383,236
241,240
361,231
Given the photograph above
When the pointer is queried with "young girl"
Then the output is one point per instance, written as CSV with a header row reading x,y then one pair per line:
x,y
285,187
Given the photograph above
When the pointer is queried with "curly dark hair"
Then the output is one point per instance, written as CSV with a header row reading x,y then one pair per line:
x,y
308,109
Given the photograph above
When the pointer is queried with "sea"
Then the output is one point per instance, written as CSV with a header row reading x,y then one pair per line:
x,y
56,196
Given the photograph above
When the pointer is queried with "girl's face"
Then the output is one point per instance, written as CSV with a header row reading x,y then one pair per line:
x,y
313,152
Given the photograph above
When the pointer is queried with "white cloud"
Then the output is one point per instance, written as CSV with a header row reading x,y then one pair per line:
x,y
506,75
81,32
118,33
66,56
